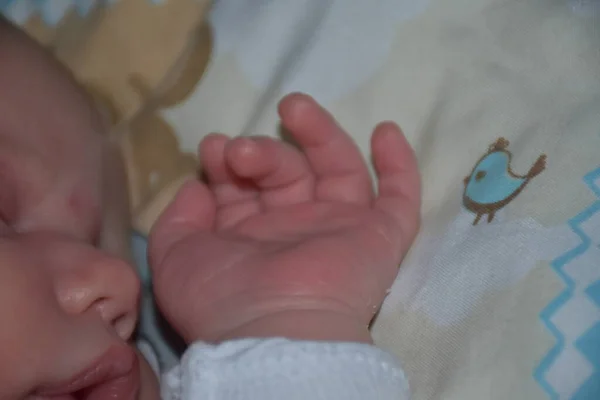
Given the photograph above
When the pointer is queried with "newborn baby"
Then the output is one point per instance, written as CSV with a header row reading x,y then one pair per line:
x,y
271,271
68,296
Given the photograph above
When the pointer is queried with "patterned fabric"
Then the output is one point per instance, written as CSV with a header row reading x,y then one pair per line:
x,y
51,11
500,100
499,296
573,316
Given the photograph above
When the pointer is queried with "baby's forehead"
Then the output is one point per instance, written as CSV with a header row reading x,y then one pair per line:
x,y
38,91
56,127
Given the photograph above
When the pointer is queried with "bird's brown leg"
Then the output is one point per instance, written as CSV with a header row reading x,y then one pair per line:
x,y
477,218
491,216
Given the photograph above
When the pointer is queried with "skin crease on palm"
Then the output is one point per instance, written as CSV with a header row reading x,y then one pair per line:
x,y
68,297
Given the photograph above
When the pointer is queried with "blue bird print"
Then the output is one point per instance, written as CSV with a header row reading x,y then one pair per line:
x,y
492,184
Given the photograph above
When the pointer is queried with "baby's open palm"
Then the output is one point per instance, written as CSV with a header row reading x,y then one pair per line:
x,y
280,228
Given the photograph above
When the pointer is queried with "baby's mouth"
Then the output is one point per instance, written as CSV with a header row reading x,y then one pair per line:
x,y
114,376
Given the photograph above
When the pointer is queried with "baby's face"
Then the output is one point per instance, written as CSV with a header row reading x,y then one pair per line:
x,y
67,311
67,307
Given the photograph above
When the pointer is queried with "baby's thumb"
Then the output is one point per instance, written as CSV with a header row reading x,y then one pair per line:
x,y
192,210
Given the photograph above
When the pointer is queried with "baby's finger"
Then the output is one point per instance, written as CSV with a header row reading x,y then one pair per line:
x,y
227,189
280,171
192,210
236,198
342,174
399,186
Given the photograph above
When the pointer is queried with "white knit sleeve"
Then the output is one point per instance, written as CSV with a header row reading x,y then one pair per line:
x,y
275,368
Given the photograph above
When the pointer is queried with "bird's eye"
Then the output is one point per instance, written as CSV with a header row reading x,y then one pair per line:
x,y
480,175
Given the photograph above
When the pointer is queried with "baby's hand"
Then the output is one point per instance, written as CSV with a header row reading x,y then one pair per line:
x,y
287,242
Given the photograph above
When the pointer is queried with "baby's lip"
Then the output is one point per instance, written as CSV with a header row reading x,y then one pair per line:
x,y
114,376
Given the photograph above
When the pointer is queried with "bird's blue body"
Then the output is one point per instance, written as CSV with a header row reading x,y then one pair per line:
x,y
491,182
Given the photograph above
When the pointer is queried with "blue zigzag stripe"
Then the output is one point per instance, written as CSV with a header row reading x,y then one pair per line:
x,y
82,7
546,315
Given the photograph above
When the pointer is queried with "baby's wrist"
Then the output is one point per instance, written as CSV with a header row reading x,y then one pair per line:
x,y
312,325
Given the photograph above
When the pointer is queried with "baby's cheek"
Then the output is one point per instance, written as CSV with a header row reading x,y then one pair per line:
x,y
84,207
4,228
8,198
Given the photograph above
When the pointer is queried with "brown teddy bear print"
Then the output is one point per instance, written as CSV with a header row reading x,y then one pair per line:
x,y
136,58
156,165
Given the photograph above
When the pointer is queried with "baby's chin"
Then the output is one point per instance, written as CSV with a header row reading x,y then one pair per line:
x,y
149,387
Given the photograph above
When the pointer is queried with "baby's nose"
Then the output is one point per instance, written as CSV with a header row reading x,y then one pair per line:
x,y
108,286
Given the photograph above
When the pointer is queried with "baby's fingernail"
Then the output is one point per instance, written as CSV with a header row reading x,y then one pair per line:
x,y
247,147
